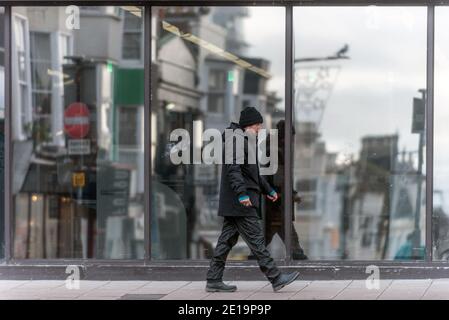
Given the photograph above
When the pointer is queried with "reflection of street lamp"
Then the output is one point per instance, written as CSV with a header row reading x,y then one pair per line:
x,y
341,54
313,105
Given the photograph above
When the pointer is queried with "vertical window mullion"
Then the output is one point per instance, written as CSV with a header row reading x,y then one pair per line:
x,y
7,145
288,205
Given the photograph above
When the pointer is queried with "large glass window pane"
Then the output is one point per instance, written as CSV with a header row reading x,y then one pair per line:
x,y
359,151
209,63
2,132
78,144
440,216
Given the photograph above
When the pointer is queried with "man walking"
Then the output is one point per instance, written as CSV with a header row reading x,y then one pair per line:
x,y
240,192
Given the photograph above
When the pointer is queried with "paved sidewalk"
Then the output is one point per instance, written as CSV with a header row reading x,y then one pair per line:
x,y
247,290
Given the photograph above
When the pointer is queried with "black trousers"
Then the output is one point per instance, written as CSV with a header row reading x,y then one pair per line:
x,y
251,231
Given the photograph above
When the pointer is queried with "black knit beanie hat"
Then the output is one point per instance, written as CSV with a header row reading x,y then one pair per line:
x,y
249,116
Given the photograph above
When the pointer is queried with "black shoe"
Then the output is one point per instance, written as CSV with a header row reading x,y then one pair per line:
x,y
219,287
284,279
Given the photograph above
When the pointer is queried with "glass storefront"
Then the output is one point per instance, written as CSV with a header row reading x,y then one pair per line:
x,y
83,101
77,132
210,63
359,158
2,131
440,218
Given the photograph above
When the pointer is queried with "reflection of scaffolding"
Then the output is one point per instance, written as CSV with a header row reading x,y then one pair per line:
x,y
314,84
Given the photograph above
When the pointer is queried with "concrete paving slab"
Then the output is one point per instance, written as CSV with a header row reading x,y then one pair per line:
x,y
321,290
130,285
96,298
159,287
411,283
292,287
42,284
247,290
249,285
271,295
362,284
358,294
238,295
184,296
9,284
404,293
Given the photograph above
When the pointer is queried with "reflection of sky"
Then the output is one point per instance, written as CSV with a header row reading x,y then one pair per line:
x,y
374,90
264,30
441,116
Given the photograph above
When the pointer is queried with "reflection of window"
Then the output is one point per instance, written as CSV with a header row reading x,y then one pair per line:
x,y
2,40
216,103
306,185
132,36
21,73
217,87
308,202
217,79
128,126
367,239
66,48
41,56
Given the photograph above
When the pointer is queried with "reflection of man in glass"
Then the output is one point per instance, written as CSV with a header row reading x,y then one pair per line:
x,y
275,210
240,192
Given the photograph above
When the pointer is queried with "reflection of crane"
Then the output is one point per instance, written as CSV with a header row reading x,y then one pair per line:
x,y
314,84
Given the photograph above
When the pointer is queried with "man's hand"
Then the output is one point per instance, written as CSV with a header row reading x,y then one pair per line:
x,y
273,196
244,200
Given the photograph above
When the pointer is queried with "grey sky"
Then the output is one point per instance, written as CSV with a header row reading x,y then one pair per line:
x,y
374,91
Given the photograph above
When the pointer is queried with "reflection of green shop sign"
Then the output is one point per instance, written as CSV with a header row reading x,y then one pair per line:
x,y
113,191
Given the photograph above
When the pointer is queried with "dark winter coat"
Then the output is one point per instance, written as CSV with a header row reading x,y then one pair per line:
x,y
239,180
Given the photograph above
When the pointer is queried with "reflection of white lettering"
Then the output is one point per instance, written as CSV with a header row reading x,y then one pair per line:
x,y
373,280
269,162
237,146
73,20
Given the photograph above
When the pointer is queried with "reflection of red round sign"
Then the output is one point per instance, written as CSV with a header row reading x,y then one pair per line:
x,y
76,120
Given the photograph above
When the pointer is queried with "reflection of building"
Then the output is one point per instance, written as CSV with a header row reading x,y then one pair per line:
x,y
371,198
440,226
359,209
382,204
318,216
53,67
